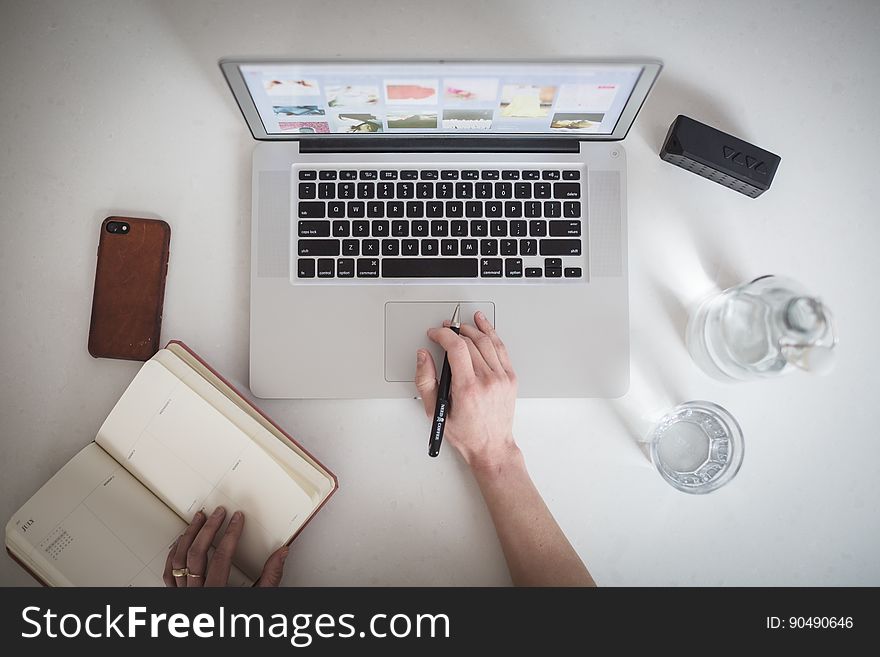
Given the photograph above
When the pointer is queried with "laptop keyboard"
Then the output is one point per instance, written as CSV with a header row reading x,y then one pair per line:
x,y
439,223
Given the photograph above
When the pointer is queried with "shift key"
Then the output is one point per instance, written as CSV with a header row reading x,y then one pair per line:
x,y
317,247
558,247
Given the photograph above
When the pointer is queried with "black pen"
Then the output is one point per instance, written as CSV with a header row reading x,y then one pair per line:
x,y
441,410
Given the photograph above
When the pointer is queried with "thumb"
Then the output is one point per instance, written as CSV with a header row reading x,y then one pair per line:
x,y
274,568
426,380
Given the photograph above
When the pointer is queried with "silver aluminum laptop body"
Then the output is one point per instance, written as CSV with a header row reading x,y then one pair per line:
x,y
358,338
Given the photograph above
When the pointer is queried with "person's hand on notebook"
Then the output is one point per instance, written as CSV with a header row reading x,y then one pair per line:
x,y
188,565
483,391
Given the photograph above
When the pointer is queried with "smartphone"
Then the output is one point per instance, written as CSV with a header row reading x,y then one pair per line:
x,y
129,288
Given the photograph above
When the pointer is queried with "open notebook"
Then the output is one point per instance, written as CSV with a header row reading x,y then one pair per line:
x,y
180,439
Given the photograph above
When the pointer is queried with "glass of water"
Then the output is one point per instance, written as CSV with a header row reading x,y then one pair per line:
x,y
697,447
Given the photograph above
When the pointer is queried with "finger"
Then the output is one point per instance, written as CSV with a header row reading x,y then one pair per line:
x,y
479,363
221,561
426,380
167,577
486,327
183,544
273,571
197,555
457,352
484,345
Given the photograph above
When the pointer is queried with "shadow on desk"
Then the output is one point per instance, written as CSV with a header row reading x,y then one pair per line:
x,y
295,30
672,96
715,269
654,390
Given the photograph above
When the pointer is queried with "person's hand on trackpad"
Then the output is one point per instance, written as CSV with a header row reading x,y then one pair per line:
x,y
483,391
480,426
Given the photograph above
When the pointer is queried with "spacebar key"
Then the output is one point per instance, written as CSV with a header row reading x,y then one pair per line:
x,y
429,268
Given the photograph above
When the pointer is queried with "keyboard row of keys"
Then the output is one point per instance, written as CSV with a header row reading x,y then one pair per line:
x,y
427,268
437,209
439,228
434,174
440,190
433,247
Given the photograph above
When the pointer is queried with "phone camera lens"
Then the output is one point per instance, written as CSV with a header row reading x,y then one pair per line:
x,y
118,227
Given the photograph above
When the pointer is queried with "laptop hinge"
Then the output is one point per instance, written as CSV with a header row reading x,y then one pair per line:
x,y
431,144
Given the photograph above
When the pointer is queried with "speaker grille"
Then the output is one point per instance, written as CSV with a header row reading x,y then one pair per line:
x,y
273,224
606,249
713,174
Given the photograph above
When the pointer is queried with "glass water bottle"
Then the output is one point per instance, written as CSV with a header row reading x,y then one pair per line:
x,y
761,329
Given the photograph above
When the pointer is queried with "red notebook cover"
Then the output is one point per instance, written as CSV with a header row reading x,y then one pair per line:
x,y
268,419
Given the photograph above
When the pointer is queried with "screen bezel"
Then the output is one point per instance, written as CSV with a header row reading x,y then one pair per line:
x,y
231,68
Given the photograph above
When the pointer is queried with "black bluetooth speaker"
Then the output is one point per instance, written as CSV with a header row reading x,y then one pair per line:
x,y
719,156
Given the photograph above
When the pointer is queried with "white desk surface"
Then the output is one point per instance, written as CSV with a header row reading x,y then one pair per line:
x,y
118,107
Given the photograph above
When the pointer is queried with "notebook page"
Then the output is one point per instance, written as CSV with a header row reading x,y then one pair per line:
x,y
314,482
193,457
94,524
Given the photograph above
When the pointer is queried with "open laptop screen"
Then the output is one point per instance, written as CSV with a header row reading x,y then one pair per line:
x,y
299,99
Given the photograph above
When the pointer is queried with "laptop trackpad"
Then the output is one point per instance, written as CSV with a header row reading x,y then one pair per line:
x,y
406,324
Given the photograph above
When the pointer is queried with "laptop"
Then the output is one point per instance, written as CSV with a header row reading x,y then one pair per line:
x,y
387,192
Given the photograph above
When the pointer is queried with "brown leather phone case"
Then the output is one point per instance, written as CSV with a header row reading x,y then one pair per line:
x,y
129,288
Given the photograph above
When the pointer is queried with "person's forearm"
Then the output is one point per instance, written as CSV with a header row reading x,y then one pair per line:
x,y
536,550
